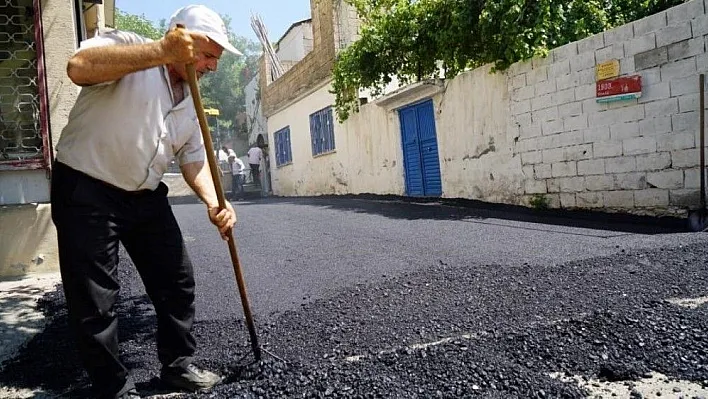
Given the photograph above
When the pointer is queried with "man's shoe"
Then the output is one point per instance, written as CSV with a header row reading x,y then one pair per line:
x,y
132,394
190,378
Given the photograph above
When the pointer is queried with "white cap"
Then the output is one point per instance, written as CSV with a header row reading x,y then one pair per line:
x,y
201,19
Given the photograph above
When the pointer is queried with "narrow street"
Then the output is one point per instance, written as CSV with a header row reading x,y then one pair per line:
x,y
383,298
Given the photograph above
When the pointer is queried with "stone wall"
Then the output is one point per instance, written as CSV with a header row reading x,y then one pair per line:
x,y
638,155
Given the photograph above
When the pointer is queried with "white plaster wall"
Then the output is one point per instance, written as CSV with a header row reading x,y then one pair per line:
x,y
374,155
256,122
31,246
292,46
476,156
306,175
366,159
59,45
478,164
308,37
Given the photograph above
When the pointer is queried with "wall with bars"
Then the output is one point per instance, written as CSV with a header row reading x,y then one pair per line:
x,y
24,195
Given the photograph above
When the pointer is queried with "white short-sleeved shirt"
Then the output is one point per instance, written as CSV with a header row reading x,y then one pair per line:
x,y
254,156
126,132
237,167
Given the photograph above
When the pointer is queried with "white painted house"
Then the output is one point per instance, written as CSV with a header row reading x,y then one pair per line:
x,y
255,121
536,131
295,43
292,47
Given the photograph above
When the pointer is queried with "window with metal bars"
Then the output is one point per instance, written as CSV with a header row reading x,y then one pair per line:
x,y
23,124
283,149
322,131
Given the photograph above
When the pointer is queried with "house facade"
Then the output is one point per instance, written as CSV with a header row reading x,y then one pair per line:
x,y
290,49
293,46
539,133
38,38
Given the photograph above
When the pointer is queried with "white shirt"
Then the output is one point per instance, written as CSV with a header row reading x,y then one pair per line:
x,y
254,156
231,159
237,167
126,132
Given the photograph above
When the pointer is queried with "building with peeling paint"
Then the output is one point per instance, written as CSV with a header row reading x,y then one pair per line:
x,y
540,132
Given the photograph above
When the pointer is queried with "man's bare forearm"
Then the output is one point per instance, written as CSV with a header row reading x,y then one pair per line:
x,y
198,177
110,63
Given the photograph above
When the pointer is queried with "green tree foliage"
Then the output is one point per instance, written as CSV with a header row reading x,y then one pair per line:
x,y
222,89
138,24
413,40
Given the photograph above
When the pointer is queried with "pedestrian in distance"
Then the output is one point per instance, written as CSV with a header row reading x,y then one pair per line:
x,y
238,169
228,152
255,156
134,114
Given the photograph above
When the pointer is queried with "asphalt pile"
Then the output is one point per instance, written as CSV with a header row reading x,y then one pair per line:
x,y
453,330
497,331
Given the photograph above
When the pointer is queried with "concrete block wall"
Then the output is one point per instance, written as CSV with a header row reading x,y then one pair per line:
x,y
636,155
346,24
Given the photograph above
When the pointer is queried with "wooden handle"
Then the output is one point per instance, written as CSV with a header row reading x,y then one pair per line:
x,y
206,134
213,165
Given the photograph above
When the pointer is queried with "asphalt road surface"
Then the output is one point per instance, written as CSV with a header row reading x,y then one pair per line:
x,y
385,298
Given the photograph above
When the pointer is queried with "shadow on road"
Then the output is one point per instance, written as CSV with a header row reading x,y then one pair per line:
x,y
16,301
50,362
47,361
461,209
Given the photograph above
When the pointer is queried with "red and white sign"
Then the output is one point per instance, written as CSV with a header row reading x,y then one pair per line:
x,y
617,86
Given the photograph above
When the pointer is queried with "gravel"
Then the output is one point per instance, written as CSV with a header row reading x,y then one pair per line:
x,y
514,349
449,328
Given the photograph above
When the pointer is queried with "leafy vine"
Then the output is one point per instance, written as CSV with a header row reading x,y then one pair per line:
x,y
413,40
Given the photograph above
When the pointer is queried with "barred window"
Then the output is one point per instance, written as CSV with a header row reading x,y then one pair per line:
x,y
322,132
21,125
283,149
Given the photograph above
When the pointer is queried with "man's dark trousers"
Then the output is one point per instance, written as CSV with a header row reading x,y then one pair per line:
x,y
255,173
236,186
91,218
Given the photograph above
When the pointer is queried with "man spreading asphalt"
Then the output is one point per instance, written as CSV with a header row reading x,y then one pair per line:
x,y
133,116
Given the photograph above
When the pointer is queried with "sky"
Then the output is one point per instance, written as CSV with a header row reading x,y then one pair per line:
x,y
277,15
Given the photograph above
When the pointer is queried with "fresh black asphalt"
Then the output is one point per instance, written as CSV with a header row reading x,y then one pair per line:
x,y
387,298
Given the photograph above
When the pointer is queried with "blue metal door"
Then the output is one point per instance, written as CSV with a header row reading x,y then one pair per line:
x,y
420,150
411,152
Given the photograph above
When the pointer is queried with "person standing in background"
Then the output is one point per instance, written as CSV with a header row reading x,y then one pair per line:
x,y
238,169
255,156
